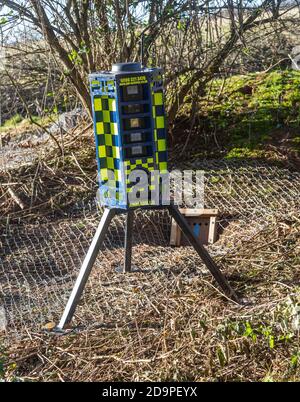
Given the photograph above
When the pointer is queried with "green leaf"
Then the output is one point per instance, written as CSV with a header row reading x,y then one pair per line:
x,y
271,342
295,360
3,20
221,356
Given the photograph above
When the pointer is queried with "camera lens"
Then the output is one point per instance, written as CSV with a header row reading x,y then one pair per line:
x,y
136,137
130,109
137,150
132,93
132,90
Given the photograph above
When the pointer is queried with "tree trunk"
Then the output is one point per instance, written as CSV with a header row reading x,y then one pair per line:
x,y
74,75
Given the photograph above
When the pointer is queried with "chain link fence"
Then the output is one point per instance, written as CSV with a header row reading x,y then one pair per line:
x,y
39,262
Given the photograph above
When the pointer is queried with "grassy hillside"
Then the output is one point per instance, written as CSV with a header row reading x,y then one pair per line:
x,y
241,115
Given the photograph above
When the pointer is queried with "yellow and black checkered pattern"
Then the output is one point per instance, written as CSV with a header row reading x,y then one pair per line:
x,y
104,86
146,164
159,121
106,127
115,144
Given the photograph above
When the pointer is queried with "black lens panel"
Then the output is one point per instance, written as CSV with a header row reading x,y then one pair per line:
x,y
133,109
132,92
134,123
135,137
136,151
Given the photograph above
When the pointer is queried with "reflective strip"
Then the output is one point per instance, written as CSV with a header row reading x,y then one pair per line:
x,y
97,105
160,122
161,145
158,99
100,128
116,152
106,116
102,151
104,174
112,105
108,139
163,166
118,175
114,128
110,162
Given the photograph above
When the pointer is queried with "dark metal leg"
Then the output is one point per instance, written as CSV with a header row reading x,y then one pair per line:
x,y
86,267
206,258
128,241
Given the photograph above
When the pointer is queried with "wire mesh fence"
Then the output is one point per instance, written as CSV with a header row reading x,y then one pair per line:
x,y
39,262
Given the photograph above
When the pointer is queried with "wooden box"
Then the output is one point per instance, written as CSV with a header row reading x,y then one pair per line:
x,y
203,223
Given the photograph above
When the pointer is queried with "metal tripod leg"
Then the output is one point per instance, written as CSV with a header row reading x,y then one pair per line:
x,y
206,258
128,241
86,267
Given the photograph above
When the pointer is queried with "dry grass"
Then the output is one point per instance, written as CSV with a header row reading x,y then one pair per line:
x,y
173,324
167,321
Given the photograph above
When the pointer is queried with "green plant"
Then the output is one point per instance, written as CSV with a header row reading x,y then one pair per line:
x,y
2,362
295,359
13,121
236,153
246,111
